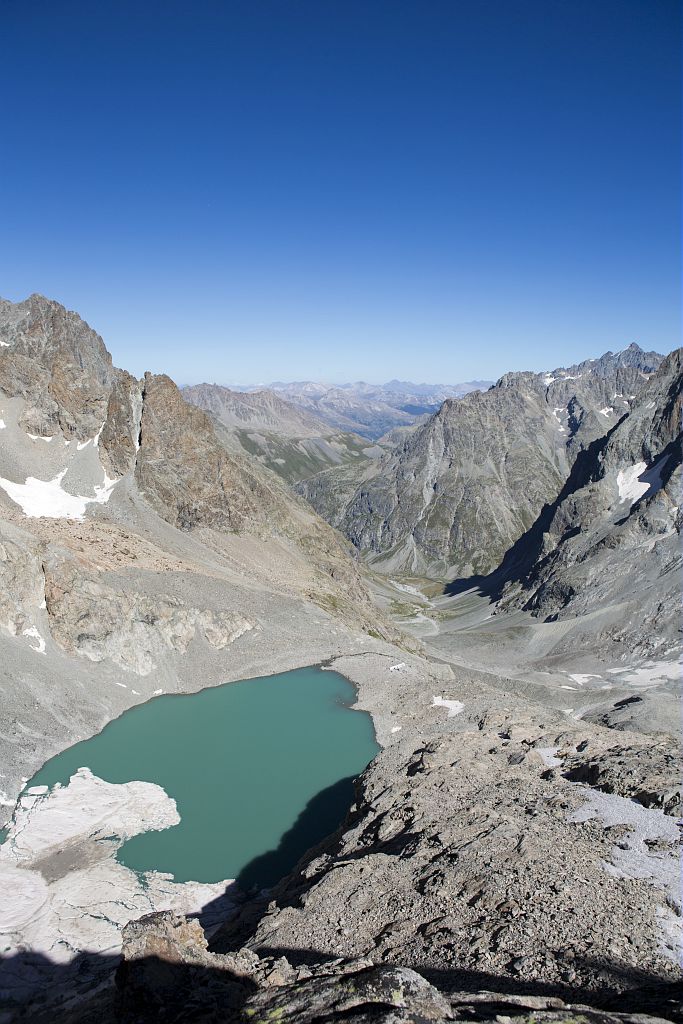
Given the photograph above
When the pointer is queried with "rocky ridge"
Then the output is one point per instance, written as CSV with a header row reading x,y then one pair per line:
x,y
612,538
462,488
371,409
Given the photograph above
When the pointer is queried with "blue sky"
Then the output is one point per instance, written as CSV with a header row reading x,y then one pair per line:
x,y
335,189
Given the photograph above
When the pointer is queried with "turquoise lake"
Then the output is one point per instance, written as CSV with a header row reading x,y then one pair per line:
x,y
260,770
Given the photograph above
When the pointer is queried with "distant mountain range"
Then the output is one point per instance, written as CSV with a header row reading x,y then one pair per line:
x,y
368,409
291,441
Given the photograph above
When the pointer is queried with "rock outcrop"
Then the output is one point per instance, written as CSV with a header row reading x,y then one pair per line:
x,y
168,973
52,359
130,628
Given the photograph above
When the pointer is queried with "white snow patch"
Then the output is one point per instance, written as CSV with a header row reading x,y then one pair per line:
x,y
35,635
3,425
40,437
560,426
397,668
607,410
157,692
454,706
640,479
650,673
548,756
632,858
583,677
650,405
48,499
4,344
630,487
397,728
94,441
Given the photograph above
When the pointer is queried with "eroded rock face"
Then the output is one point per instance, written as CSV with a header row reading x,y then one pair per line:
x,y
21,579
120,437
649,775
613,536
186,474
55,361
131,628
460,490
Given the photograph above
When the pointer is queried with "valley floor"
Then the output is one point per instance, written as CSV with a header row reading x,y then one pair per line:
x,y
545,661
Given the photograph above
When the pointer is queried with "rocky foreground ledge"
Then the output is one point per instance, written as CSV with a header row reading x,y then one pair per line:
x,y
168,974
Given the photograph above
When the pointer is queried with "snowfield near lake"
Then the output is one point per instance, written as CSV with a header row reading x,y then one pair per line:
x,y
64,892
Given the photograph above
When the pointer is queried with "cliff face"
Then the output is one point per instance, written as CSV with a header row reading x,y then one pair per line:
x,y
613,536
58,364
467,484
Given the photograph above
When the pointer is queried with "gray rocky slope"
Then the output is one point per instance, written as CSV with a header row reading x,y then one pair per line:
x,y
477,876
462,488
612,537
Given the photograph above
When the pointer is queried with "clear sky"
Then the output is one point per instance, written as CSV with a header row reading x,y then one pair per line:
x,y
251,190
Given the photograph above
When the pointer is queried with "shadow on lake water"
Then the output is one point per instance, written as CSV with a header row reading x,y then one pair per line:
x,y
321,816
